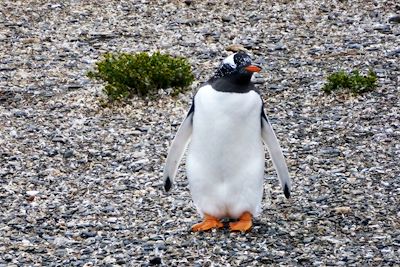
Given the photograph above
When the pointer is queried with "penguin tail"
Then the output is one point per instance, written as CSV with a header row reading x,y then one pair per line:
x,y
167,183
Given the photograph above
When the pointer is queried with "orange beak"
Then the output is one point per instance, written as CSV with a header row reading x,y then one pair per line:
x,y
253,68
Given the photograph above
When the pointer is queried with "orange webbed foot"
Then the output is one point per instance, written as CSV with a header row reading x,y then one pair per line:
x,y
208,223
244,223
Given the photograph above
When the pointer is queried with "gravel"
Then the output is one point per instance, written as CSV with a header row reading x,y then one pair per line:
x,y
80,182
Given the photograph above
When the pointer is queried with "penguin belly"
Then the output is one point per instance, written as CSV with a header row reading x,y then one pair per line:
x,y
225,159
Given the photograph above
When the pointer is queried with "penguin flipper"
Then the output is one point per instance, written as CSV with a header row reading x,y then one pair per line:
x,y
177,149
275,151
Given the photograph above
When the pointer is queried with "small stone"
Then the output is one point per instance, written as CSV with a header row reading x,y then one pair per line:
x,y
88,234
13,133
139,154
68,154
322,198
20,113
109,260
280,47
308,239
58,139
394,52
52,152
25,243
395,19
275,87
8,257
235,48
102,35
373,48
342,210
55,6
334,152
31,41
74,86
383,28
355,46
161,246
189,22
257,79
61,241
228,18
155,261
32,193
30,198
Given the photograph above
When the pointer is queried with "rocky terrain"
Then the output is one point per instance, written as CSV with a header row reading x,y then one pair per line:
x,y
80,182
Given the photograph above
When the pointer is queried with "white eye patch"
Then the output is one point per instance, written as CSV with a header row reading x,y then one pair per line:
x,y
230,61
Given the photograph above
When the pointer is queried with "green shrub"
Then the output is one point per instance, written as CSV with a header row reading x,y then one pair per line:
x,y
354,82
129,74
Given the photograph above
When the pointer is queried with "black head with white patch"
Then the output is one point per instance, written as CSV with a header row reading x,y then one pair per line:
x,y
237,68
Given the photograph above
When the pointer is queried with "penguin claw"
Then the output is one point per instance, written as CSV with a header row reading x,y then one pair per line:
x,y
208,223
243,225
240,226
204,226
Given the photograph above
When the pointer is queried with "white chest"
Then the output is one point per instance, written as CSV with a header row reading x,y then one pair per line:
x,y
226,131
220,112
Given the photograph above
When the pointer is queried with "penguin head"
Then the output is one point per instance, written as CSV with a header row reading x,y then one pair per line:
x,y
237,67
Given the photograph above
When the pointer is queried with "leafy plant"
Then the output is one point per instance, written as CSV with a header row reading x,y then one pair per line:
x,y
129,74
353,82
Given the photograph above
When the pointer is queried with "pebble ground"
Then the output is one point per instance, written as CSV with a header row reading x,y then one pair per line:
x,y
80,184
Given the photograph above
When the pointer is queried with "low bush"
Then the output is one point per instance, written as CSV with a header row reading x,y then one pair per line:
x,y
354,82
140,74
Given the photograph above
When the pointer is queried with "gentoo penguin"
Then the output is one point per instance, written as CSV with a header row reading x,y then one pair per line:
x,y
225,129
